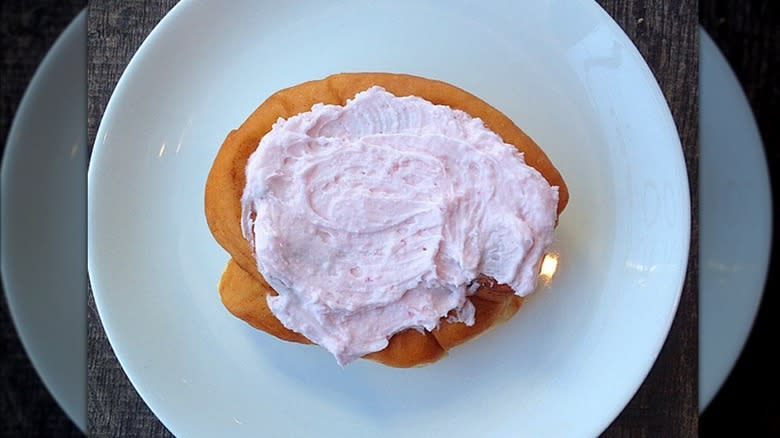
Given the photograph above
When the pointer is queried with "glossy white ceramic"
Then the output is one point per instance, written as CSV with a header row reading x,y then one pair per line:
x,y
566,365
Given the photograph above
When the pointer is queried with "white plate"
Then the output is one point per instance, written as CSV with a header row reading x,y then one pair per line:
x,y
565,366
43,250
735,210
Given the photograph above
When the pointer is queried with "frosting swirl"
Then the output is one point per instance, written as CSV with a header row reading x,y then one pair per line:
x,y
376,216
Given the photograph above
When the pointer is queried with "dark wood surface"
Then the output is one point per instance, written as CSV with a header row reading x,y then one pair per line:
x,y
665,33
27,30
115,30
748,34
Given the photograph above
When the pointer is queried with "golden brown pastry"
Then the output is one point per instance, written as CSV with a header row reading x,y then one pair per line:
x,y
243,289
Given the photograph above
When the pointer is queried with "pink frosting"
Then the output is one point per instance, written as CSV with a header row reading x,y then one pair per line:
x,y
377,216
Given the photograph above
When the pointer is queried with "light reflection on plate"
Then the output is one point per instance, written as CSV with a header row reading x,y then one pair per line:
x,y
566,365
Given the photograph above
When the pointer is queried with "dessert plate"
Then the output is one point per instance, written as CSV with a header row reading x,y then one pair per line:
x,y
44,174
566,365
735,208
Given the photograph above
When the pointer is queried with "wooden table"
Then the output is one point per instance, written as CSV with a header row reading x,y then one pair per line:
x,y
665,33
748,34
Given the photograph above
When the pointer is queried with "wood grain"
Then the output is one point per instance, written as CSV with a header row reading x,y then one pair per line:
x,y
664,32
115,30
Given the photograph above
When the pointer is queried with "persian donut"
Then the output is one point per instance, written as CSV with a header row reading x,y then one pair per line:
x,y
242,288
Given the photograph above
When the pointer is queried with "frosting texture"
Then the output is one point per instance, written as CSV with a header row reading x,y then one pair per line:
x,y
377,216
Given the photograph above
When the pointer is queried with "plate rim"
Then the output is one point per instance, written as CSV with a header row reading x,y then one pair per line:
x,y
653,88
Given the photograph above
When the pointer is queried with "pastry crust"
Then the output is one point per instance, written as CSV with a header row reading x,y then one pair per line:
x,y
243,289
